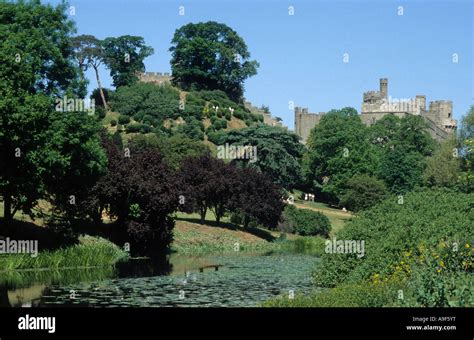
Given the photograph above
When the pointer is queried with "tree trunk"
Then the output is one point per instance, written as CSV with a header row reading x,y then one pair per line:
x,y
7,210
203,214
100,88
246,221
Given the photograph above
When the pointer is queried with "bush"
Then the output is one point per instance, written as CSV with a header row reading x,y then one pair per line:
x,y
124,119
100,112
113,122
395,232
362,192
142,99
133,128
306,222
239,114
215,137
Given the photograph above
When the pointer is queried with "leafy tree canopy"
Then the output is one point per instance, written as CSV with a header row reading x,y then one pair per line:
x,y
278,151
124,57
210,56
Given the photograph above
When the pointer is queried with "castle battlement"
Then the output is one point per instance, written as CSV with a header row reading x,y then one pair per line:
x,y
155,77
377,104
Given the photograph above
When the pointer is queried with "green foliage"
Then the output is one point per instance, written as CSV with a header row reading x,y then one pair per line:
x,y
362,192
401,170
443,168
466,141
174,149
124,57
138,128
123,119
113,122
146,99
92,252
349,295
98,98
278,151
307,222
424,220
210,56
338,148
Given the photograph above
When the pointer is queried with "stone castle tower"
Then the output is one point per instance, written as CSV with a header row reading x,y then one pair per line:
x,y
377,104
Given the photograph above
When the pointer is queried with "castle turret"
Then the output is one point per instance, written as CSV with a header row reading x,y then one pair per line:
x,y
384,87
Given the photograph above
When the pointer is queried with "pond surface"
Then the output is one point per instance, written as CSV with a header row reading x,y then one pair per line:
x,y
220,281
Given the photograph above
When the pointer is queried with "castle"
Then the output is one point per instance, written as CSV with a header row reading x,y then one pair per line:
x,y
155,77
267,116
377,104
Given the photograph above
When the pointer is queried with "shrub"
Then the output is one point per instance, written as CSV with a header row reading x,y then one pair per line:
x,y
124,119
390,230
306,222
215,137
362,192
239,114
113,122
141,99
100,112
228,115
133,128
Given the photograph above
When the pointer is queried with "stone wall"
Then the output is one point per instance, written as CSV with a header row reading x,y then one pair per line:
x,y
305,121
377,104
155,77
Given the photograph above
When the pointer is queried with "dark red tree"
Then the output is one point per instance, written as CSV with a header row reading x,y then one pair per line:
x,y
257,197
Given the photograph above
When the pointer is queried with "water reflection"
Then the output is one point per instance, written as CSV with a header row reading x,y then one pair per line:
x,y
232,280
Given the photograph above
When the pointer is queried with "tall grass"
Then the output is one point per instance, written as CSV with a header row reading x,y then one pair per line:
x,y
91,252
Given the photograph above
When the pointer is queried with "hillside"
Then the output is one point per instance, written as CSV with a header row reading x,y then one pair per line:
x,y
165,110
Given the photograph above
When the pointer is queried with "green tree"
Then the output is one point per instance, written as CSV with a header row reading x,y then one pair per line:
x,y
466,141
338,149
278,152
37,67
443,168
89,52
124,57
362,192
174,149
211,56
401,171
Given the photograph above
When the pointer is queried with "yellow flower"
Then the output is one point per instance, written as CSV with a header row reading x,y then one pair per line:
x,y
467,245
441,263
439,270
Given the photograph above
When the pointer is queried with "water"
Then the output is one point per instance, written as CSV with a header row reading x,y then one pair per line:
x,y
214,281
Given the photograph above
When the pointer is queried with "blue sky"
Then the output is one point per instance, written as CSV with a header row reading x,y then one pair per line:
x,y
301,56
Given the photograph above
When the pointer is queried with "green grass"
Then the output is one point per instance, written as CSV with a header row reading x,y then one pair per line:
x,y
91,252
192,238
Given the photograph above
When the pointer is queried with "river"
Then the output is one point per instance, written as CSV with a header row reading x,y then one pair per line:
x,y
234,280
